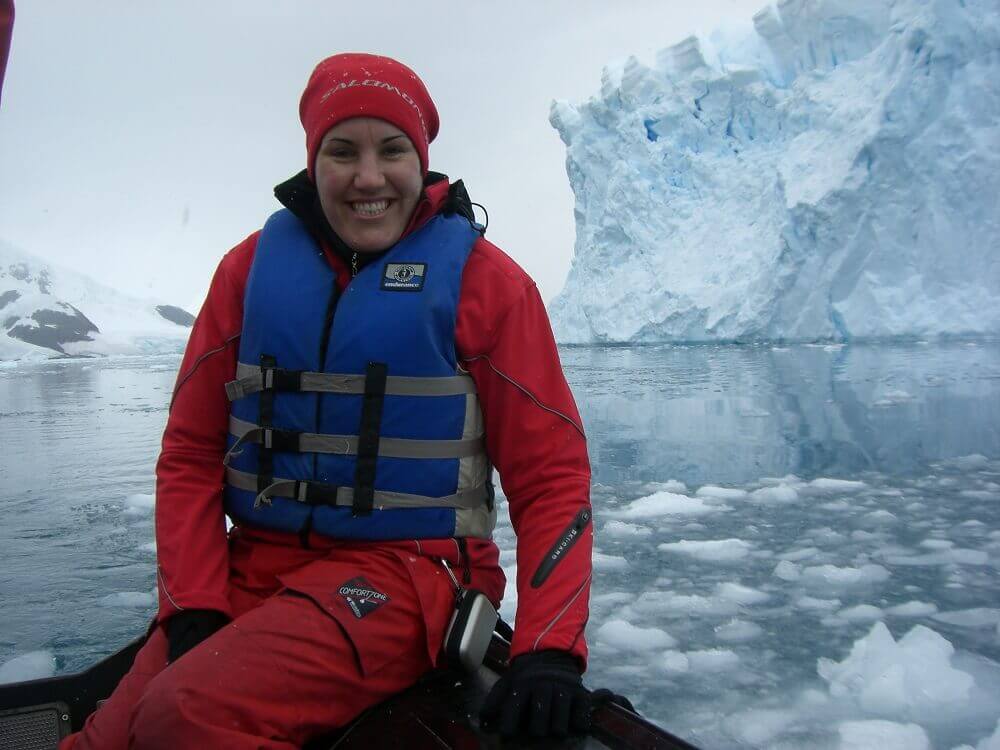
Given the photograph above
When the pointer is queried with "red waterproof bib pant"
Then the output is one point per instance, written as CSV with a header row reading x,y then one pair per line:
x,y
303,654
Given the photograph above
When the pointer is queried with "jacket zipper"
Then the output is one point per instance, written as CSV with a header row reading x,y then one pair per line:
x,y
562,545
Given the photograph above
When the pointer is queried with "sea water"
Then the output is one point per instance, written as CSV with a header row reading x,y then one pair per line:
x,y
796,546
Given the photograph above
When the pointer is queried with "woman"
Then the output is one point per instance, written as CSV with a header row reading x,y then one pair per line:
x,y
358,367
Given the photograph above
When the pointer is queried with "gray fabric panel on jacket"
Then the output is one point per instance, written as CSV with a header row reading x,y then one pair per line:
x,y
347,445
472,470
470,499
475,522
250,380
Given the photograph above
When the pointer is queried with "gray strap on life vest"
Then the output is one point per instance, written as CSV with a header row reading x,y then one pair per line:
x,y
306,492
346,445
251,379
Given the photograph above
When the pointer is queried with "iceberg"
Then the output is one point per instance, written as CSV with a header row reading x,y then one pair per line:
x,y
829,173
47,311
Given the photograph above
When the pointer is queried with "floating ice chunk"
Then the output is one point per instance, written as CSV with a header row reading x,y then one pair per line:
x,y
148,547
826,484
978,494
779,494
34,665
979,617
734,592
666,504
937,544
955,556
969,556
713,660
880,516
508,606
669,604
721,493
822,605
789,479
799,554
611,599
884,735
860,613
891,398
757,727
905,681
627,637
138,504
826,535
860,535
837,505
716,550
972,461
624,530
787,571
671,485
675,661
992,742
912,609
129,599
602,561
738,631
833,576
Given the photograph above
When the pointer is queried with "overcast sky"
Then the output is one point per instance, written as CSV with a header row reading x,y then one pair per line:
x,y
141,140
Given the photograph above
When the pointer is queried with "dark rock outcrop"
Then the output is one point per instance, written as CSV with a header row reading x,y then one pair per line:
x,y
176,315
55,328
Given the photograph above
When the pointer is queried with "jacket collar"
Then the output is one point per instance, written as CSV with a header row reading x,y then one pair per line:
x,y
298,194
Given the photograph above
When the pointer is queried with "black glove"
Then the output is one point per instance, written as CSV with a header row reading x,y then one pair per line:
x,y
187,629
541,694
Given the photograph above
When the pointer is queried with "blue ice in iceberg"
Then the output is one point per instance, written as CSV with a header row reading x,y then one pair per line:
x,y
831,172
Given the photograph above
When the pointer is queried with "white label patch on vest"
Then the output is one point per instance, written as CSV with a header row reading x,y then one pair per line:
x,y
404,277
361,597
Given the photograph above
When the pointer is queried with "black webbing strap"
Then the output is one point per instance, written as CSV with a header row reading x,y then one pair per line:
x,y
288,381
368,435
265,418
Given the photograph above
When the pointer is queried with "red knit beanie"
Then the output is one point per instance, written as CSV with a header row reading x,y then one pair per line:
x,y
360,85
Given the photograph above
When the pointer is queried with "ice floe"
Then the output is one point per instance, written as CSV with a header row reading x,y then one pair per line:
x,y
34,665
906,679
624,530
128,599
624,636
883,735
666,504
716,550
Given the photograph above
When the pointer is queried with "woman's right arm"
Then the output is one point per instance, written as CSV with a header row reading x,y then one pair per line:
x,y
191,546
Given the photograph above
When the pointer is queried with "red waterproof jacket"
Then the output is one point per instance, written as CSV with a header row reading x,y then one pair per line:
x,y
533,433
6,31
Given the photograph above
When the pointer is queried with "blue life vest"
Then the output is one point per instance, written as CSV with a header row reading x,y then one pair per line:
x,y
364,427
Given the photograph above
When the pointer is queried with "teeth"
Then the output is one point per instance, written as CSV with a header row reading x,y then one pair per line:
x,y
370,208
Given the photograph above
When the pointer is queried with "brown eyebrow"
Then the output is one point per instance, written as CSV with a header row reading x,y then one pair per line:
x,y
349,142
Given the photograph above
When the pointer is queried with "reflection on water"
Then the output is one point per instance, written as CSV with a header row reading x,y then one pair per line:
x,y
728,414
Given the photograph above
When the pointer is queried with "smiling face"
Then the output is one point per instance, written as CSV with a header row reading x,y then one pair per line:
x,y
369,181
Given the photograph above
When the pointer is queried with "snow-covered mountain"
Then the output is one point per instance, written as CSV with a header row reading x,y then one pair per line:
x,y
46,311
832,172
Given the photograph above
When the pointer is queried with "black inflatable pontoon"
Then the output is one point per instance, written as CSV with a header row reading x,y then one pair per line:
x,y
438,712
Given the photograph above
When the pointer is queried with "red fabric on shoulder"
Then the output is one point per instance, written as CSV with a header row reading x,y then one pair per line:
x,y
191,548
